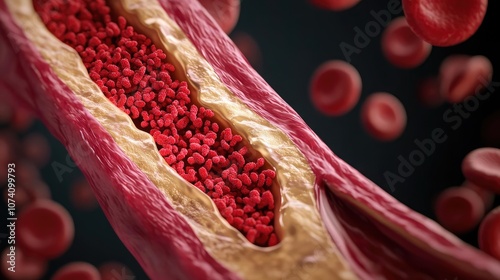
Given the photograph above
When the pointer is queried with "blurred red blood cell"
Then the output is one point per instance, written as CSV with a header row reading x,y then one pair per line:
x,y
428,92
489,233
115,271
26,267
36,148
26,172
335,88
487,196
383,116
490,130
77,271
335,5
459,209
402,47
82,196
462,76
225,12
22,119
249,48
447,22
45,229
27,194
482,168
5,112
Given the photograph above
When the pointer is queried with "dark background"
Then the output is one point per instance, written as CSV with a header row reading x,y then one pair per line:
x,y
295,38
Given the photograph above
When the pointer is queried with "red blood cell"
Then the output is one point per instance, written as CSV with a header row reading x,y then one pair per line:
x,y
428,92
249,48
29,193
36,148
77,271
21,120
462,76
115,271
135,76
490,130
402,47
82,196
482,168
489,234
335,88
26,172
5,112
383,116
334,5
26,267
45,229
225,12
444,23
459,209
487,196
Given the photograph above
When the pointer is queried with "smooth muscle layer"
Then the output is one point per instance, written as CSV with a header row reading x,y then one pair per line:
x,y
172,228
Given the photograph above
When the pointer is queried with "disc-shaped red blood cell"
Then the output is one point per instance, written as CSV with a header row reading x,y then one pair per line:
x,y
482,167
22,267
487,196
445,22
428,92
115,271
402,47
462,76
225,12
45,229
77,271
82,196
459,209
335,5
249,48
335,88
36,148
383,116
489,234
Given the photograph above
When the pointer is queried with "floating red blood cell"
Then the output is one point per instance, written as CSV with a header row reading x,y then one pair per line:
x,y
445,23
459,209
115,271
36,148
383,116
335,5
225,12
29,193
249,48
5,112
82,196
487,196
489,233
462,76
77,271
335,88
26,267
482,168
45,229
402,47
21,120
428,92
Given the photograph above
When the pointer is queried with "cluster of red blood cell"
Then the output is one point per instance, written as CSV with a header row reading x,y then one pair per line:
x,y
44,228
135,76
406,43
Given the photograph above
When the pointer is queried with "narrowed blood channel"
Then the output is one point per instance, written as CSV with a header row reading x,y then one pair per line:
x,y
134,74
